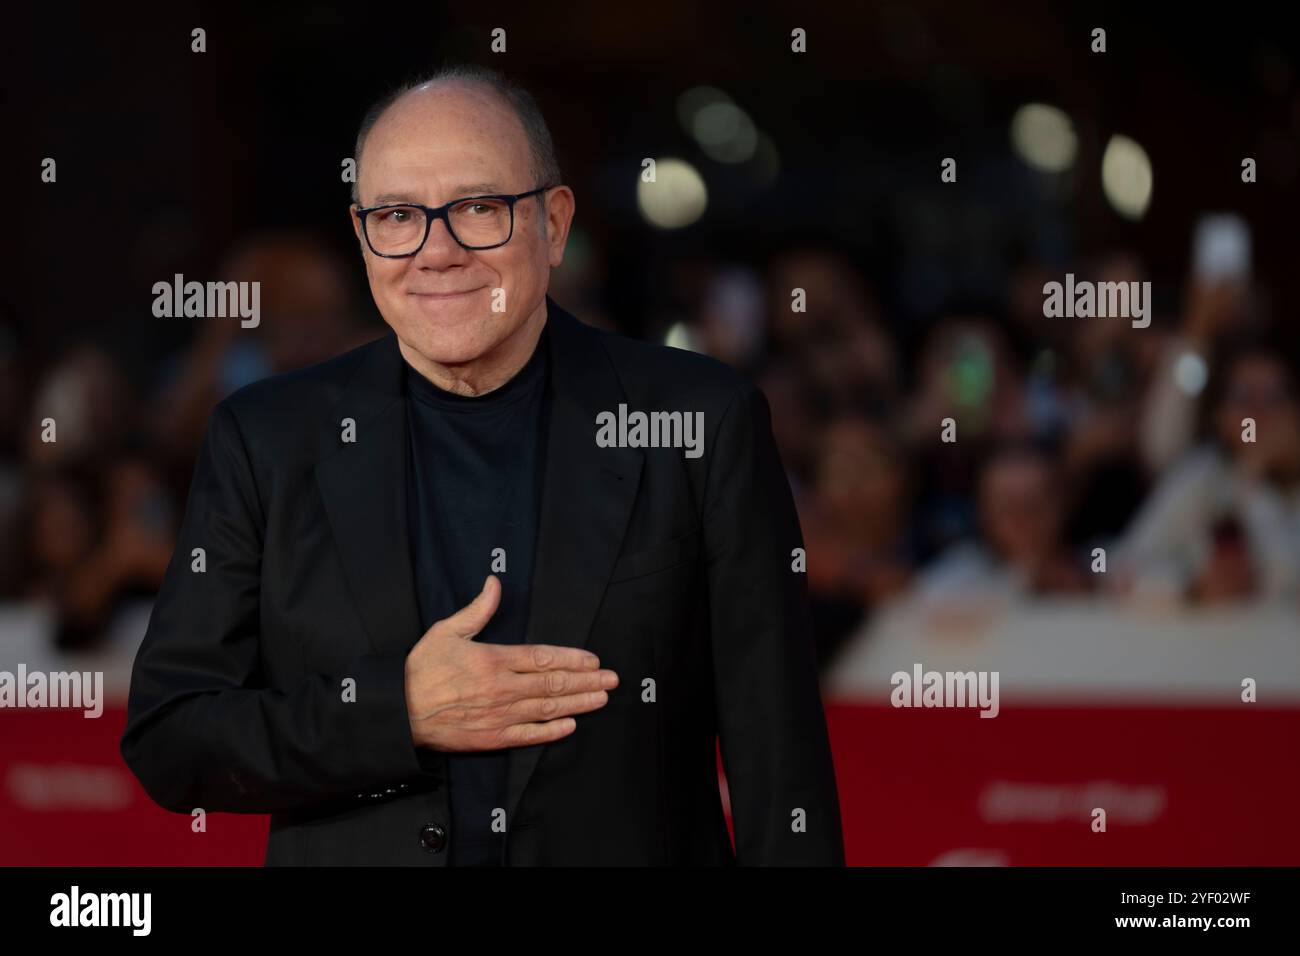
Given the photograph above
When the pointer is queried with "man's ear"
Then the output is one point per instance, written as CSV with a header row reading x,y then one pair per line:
x,y
356,226
558,214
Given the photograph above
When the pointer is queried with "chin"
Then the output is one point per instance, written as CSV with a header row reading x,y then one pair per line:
x,y
453,342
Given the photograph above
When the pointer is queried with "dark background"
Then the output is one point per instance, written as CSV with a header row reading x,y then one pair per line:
x,y
166,157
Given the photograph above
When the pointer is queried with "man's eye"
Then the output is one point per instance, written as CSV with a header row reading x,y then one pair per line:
x,y
478,208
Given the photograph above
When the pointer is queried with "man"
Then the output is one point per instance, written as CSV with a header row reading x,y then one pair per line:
x,y
420,615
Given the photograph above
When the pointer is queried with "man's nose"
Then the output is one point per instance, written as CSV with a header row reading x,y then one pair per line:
x,y
441,248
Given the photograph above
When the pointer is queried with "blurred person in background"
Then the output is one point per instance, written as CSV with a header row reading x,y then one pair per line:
x,y
797,417
307,315
1021,551
1026,329
729,321
100,518
839,342
966,372
584,277
58,530
1224,523
90,402
857,528
1222,304
129,557
1110,364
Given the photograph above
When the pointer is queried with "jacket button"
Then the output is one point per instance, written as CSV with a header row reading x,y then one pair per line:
x,y
433,837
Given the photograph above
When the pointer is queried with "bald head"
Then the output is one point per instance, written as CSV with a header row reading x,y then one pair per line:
x,y
420,99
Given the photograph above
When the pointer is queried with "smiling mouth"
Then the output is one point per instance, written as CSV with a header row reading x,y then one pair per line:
x,y
439,296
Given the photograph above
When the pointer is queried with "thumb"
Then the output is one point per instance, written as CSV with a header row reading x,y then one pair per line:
x,y
474,616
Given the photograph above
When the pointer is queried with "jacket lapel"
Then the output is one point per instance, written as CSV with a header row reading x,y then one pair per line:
x,y
363,486
587,499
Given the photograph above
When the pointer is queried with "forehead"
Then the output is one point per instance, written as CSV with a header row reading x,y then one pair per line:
x,y
436,140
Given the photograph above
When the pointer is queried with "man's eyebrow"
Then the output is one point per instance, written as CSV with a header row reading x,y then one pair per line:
x,y
460,192
479,189
394,197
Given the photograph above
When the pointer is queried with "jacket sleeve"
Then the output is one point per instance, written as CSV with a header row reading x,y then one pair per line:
x,y
203,729
771,724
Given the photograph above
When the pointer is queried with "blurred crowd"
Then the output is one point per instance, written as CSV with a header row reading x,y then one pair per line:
x,y
90,519
1158,466
1086,456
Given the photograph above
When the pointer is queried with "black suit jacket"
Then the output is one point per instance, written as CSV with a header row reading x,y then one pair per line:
x,y
675,571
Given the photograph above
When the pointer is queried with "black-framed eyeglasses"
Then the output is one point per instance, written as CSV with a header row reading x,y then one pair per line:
x,y
399,230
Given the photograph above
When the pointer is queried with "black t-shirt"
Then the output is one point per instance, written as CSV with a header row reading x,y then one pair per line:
x,y
475,481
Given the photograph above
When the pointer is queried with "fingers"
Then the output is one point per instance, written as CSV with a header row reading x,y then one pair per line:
x,y
529,658
474,616
558,683
538,709
522,735
530,720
